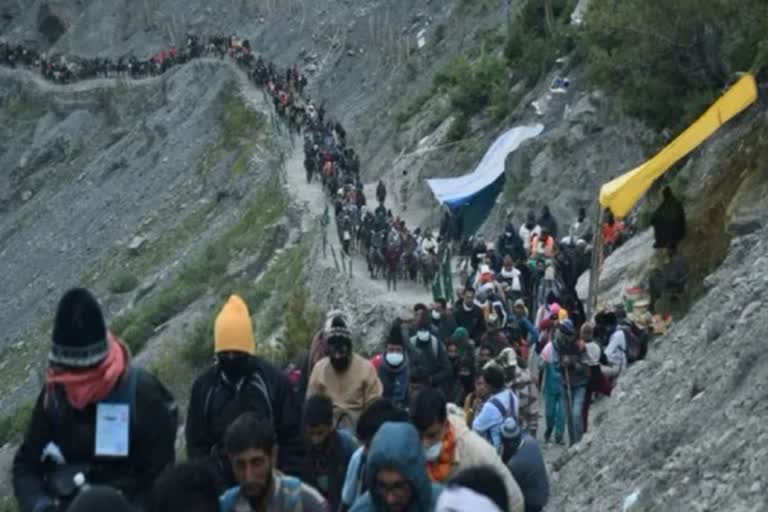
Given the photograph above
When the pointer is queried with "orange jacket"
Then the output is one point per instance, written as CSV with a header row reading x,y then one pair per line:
x,y
548,248
611,233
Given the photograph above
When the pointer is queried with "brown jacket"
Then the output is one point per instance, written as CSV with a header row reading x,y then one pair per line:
x,y
351,391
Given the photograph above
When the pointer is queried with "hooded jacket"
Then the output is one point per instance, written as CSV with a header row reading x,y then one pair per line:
x,y
473,451
215,403
397,446
154,419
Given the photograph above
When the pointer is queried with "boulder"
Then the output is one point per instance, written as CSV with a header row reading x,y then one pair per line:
x,y
136,244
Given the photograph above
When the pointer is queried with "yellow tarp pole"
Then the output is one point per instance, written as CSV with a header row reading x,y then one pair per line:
x,y
621,194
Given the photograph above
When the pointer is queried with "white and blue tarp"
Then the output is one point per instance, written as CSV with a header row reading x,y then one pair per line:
x,y
458,191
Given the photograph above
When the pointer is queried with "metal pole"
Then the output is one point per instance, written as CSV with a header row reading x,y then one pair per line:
x,y
597,263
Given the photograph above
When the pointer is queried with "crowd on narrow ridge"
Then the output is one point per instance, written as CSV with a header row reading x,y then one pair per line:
x,y
445,416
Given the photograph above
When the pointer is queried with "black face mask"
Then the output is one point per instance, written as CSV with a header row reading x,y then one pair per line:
x,y
340,364
234,365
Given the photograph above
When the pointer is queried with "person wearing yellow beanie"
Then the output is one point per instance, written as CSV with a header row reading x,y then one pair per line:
x,y
233,330
240,382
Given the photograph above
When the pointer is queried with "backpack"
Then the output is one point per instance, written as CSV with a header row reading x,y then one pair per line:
x,y
290,493
256,381
514,403
636,342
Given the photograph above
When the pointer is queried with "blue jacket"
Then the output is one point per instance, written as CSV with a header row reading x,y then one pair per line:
x,y
394,382
552,382
397,446
525,325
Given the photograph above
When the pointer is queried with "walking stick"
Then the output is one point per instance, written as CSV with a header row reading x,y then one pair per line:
x,y
569,407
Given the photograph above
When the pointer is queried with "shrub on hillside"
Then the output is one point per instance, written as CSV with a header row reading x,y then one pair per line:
x,y
123,282
302,320
471,84
459,128
537,36
666,61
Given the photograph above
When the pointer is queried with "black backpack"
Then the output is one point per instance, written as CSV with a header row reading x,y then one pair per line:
x,y
254,381
636,342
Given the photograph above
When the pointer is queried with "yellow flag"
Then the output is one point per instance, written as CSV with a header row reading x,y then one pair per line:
x,y
621,194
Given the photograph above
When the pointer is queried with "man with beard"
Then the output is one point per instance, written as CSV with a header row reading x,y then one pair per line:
x,y
450,446
328,450
348,379
396,473
251,447
241,382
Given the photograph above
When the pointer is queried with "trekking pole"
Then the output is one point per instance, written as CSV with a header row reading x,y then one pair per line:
x,y
569,407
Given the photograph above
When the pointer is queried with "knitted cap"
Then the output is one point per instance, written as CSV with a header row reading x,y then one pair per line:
x,y
396,335
336,331
233,331
460,334
79,332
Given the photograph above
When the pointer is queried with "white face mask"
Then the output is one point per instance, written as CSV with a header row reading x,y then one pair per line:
x,y
394,358
435,314
423,335
433,452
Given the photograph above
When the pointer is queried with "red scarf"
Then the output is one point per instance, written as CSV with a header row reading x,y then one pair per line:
x,y
94,384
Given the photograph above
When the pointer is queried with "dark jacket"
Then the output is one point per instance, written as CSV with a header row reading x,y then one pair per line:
x,y
510,243
326,469
530,472
669,223
215,403
397,446
153,424
446,326
394,381
573,371
432,356
548,221
473,320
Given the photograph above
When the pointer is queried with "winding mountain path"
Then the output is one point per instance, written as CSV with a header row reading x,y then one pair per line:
x,y
309,198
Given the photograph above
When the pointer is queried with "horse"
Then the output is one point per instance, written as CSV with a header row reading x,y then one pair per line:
x,y
429,268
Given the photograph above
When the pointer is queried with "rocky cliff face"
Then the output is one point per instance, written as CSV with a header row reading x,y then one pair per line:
x,y
105,184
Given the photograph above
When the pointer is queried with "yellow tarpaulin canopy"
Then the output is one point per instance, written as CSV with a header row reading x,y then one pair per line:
x,y
621,194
